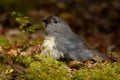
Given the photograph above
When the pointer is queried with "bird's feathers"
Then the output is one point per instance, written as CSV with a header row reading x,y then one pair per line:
x,y
66,44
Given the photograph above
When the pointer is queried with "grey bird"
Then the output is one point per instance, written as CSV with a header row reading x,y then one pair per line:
x,y
63,44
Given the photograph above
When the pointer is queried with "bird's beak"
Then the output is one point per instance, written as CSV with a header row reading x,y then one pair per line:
x,y
45,21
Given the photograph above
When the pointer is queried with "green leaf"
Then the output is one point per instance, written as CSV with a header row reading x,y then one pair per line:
x,y
23,31
18,19
13,13
31,29
25,17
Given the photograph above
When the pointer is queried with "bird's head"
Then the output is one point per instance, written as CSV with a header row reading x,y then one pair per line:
x,y
54,24
53,19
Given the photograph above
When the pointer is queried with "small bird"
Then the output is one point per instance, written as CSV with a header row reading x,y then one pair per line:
x,y
63,44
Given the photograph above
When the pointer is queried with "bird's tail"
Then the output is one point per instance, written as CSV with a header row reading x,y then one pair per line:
x,y
100,57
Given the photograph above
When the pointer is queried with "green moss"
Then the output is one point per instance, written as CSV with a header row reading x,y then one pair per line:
x,y
46,69
41,68
23,60
4,43
102,72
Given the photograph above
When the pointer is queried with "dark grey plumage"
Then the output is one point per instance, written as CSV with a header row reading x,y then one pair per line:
x,y
67,45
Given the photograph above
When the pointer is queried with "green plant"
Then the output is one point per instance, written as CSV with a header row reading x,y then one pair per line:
x,y
25,23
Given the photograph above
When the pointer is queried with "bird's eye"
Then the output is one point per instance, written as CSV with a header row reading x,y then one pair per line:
x,y
55,20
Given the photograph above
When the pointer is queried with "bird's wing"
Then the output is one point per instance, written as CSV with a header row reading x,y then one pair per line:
x,y
77,51
74,50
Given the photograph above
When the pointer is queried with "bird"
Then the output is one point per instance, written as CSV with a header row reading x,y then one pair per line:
x,y
63,44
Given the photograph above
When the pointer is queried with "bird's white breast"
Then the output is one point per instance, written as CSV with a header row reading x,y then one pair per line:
x,y
49,48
